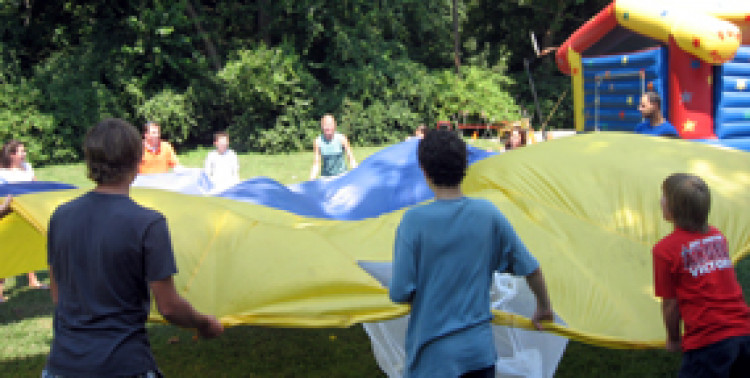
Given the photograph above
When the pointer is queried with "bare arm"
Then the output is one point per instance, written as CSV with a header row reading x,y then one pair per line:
x,y
349,153
52,287
180,312
5,206
543,306
316,161
670,310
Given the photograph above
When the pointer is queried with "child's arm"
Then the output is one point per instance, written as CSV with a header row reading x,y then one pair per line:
x,y
5,206
52,287
543,306
316,161
670,310
207,165
349,153
236,168
403,282
180,312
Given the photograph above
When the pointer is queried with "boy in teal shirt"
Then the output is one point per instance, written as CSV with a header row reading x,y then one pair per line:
x,y
445,254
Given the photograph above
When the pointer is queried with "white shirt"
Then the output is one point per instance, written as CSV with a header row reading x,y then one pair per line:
x,y
26,173
222,169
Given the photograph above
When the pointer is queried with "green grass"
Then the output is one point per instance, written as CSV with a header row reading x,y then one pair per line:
x,y
26,319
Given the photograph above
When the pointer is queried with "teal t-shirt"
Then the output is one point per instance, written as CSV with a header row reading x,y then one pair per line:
x,y
445,254
332,155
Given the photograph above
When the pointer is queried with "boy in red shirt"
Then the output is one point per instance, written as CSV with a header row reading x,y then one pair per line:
x,y
694,276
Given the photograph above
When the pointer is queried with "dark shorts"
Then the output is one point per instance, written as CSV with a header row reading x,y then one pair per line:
x,y
149,374
726,358
488,372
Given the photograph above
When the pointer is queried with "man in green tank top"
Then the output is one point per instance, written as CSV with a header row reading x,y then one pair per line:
x,y
329,149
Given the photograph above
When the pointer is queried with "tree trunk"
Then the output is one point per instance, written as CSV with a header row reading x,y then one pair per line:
x,y
210,47
456,39
263,21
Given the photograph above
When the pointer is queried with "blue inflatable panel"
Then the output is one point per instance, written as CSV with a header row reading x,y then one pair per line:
x,y
619,95
614,116
620,87
737,99
732,104
735,68
735,130
609,125
734,114
647,58
621,74
732,84
620,102
742,55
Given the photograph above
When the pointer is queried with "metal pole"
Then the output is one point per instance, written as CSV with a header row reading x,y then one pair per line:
x,y
536,101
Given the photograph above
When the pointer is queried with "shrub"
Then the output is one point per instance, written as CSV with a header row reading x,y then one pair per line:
x,y
173,112
262,85
21,119
76,98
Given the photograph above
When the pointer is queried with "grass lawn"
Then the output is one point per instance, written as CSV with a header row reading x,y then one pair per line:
x,y
26,321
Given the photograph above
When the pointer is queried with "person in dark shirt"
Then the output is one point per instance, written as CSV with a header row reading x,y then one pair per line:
x,y
106,254
654,123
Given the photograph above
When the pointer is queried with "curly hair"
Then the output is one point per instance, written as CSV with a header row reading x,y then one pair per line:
x,y
442,156
113,150
9,149
688,201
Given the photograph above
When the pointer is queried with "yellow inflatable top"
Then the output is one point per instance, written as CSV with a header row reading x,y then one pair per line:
x,y
710,30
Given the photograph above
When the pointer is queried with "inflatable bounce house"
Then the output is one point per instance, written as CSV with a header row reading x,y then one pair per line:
x,y
695,54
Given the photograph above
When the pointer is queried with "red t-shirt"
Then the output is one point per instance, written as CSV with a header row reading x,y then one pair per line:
x,y
696,269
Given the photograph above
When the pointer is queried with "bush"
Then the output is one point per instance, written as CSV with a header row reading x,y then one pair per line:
x,y
266,90
173,112
21,119
76,99
481,93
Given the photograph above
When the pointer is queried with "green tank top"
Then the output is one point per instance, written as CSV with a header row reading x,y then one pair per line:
x,y
332,155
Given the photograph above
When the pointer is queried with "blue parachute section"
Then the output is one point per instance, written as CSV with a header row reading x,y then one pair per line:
x,y
732,104
613,85
388,180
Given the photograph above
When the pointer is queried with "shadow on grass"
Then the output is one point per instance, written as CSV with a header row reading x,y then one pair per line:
x,y
22,367
25,302
245,351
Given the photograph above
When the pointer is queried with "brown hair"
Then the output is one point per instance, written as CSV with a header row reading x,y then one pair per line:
x,y
521,131
220,134
149,124
654,98
9,149
113,150
688,201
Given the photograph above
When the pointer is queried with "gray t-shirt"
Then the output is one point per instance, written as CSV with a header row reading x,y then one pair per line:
x,y
104,249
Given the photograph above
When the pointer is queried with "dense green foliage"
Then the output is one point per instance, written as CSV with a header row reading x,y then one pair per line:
x,y
268,70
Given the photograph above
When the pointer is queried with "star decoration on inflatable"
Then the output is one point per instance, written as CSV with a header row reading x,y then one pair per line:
x,y
686,97
688,126
741,84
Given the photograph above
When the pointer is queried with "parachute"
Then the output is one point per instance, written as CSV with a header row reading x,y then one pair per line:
x,y
586,206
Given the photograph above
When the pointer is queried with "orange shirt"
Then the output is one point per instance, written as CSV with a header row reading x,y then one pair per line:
x,y
159,161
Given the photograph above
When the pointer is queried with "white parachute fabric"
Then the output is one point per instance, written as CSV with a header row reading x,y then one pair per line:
x,y
520,353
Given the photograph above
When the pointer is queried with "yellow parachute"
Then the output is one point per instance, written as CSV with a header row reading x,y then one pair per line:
x,y
586,206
